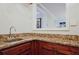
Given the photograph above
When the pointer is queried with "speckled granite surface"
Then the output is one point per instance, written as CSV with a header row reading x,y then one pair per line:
x,y
71,40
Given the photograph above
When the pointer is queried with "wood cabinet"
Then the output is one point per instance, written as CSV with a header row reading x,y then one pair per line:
x,y
46,48
21,49
37,47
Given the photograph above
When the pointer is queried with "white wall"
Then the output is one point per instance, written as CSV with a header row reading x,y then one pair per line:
x,y
57,9
72,12
20,16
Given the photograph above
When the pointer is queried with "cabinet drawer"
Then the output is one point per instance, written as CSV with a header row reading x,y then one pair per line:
x,y
17,49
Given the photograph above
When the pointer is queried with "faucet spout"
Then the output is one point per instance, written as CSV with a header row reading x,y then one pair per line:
x,y
10,31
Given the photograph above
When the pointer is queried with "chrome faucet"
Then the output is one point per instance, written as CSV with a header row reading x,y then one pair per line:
x,y
10,32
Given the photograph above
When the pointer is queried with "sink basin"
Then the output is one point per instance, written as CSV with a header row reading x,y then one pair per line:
x,y
14,40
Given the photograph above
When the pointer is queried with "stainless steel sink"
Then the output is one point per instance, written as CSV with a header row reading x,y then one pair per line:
x,y
14,40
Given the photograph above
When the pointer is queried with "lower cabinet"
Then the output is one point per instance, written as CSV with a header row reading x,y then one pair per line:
x,y
46,49
37,47
21,49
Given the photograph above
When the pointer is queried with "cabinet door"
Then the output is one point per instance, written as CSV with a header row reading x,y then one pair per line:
x,y
27,52
74,50
62,49
46,49
35,47
17,50
67,50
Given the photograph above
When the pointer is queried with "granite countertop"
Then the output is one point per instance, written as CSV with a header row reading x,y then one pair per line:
x,y
60,41
52,40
